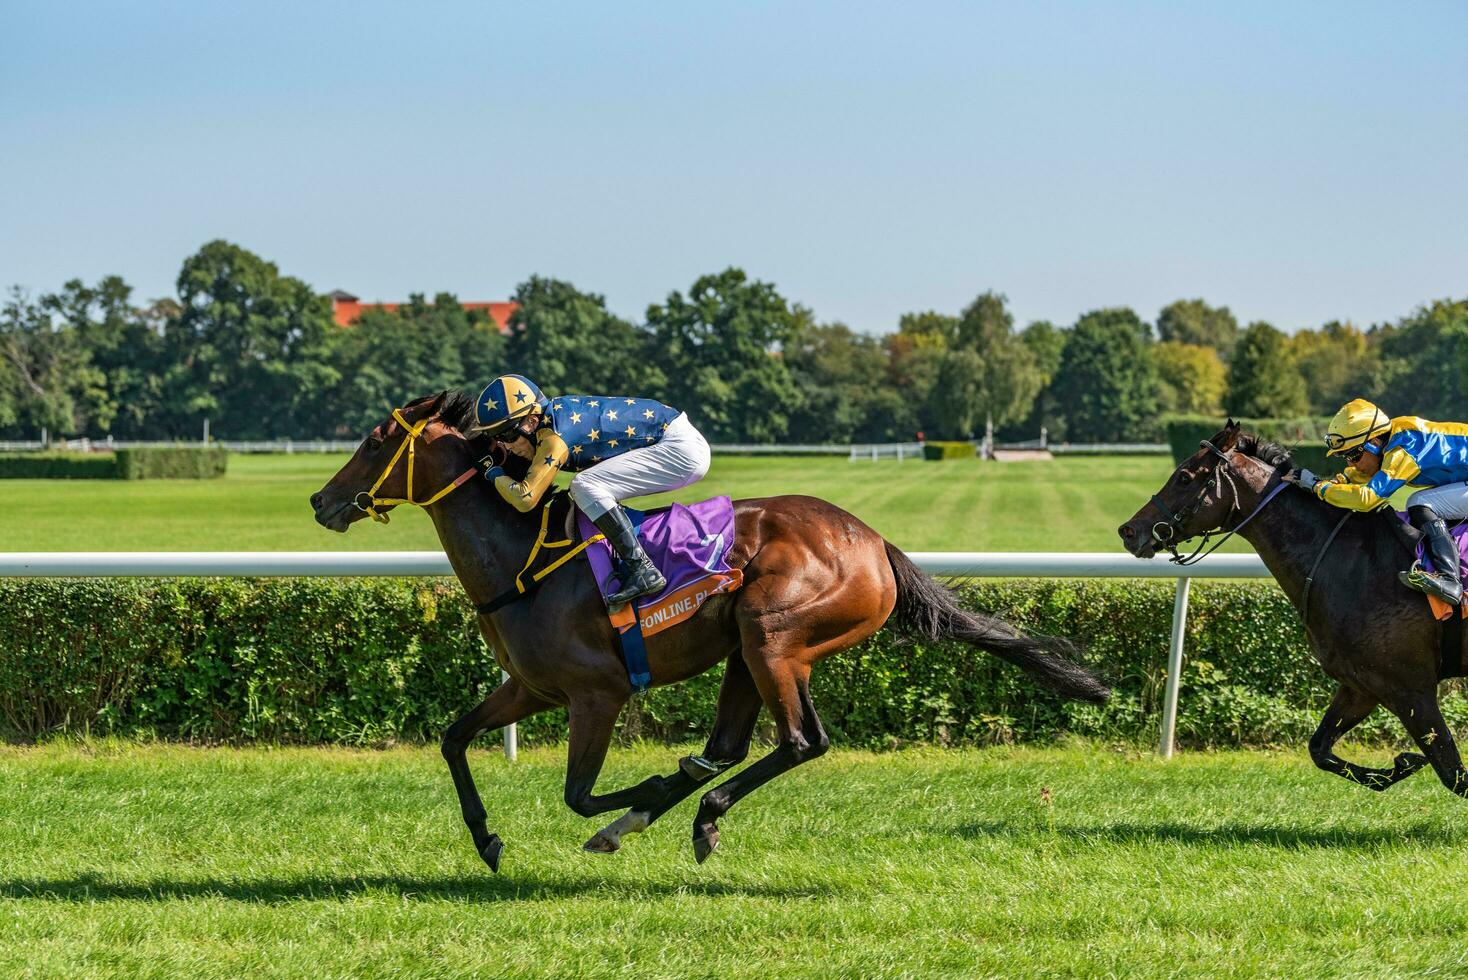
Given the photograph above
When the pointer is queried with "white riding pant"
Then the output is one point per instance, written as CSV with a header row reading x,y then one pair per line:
x,y
681,457
1449,501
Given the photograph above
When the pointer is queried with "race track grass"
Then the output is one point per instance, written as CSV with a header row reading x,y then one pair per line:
x,y
171,861
1069,504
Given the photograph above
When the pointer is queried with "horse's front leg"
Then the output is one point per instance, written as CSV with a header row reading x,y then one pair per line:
x,y
593,717
728,744
1348,709
509,703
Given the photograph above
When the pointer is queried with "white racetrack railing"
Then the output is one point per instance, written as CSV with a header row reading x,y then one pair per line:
x,y
392,564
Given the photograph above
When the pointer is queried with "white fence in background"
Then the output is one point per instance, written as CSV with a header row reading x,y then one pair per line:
x,y
854,451
886,450
234,446
947,564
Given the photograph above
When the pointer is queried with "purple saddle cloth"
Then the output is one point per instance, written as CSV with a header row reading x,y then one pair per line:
x,y
688,544
1460,535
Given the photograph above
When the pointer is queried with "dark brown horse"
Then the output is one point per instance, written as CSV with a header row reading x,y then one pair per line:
x,y
1373,635
816,581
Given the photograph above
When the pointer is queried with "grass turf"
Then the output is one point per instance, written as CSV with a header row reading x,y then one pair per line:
x,y
166,861
1069,504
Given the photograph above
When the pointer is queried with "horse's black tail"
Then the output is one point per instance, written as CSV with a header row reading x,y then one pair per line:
x,y
929,610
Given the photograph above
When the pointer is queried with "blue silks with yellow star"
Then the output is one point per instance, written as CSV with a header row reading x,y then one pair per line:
x,y
598,427
584,430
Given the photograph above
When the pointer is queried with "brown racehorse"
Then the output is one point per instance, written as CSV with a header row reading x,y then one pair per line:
x,y
816,581
1373,635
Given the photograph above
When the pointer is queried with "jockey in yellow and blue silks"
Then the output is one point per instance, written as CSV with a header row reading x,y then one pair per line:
x,y
1384,454
618,447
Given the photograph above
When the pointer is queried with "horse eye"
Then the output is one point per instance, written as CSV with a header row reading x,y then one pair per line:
x,y
1184,479
373,444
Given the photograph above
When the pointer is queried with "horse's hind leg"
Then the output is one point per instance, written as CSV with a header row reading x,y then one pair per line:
x,y
1348,709
784,685
1425,723
509,703
728,744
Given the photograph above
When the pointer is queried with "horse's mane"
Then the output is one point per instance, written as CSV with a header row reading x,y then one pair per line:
x,y
1277,455
1262,449
457,410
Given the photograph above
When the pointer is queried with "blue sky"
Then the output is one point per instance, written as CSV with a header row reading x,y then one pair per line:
x,y
1298,162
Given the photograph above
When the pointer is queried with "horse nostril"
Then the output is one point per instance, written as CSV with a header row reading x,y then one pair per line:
x,y
1126,531
315,501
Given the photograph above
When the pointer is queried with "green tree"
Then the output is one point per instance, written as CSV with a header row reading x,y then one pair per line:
x,y
126,345
1423,362
1263,379
1192,376
1192,321
566,340
1336,362
912,376
987,373
841,378
1106,388
720,349
389,357
47,379
1047,343
929,329
248,349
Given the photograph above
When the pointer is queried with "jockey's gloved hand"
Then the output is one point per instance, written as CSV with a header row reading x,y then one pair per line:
x,y
493,473
1304,478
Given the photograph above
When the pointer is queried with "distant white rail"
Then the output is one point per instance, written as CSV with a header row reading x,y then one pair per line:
x,y
391,564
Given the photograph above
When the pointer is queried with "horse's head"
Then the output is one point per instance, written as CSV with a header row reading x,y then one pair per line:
x,y
417,455
1199,497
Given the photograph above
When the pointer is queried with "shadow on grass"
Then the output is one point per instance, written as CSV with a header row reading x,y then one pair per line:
x,y
97,887
1228,835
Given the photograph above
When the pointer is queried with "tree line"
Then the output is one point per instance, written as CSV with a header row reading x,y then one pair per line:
x,y
258,354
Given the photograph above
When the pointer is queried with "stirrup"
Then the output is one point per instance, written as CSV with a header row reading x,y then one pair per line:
x,y
643,579
1430,583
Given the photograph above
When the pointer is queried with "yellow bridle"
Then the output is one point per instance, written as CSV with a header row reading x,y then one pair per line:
x,y
409,443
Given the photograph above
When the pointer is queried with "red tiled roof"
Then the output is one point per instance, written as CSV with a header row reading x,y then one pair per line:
x,y
346,308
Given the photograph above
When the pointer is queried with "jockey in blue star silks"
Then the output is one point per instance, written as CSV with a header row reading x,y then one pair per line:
x,y
1384,454
618,447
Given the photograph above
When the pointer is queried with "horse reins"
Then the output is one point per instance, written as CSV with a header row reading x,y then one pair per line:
x,y
410,443
1173,522
1310,578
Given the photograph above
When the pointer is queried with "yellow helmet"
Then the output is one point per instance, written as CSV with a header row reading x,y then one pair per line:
x,y
1357,421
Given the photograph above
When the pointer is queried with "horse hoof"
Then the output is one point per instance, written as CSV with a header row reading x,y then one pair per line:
x,y
704,844
491,852
600,843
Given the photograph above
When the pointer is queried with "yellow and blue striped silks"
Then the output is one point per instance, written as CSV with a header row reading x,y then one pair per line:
x,y
1418,453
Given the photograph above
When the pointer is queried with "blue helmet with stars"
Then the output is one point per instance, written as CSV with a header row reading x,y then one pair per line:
x,y
505,401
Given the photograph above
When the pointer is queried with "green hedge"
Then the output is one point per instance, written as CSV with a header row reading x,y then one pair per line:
x,y
368,661
948,450
168,463
1303,436
172,463
58,466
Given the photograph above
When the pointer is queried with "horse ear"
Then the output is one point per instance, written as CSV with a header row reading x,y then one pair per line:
x,y
1230,435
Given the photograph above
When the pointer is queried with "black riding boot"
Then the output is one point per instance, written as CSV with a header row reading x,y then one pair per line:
x,y
639,576
1446,582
